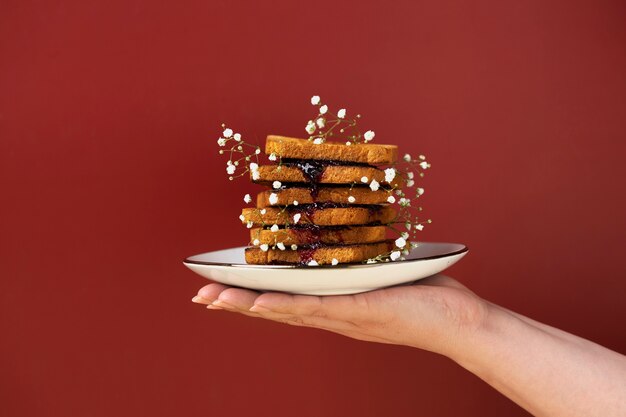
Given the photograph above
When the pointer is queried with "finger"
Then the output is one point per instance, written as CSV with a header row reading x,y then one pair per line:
x,y
209,293
236,298
337,307
440,280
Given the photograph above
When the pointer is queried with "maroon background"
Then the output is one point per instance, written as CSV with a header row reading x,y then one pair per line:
x,y
109,112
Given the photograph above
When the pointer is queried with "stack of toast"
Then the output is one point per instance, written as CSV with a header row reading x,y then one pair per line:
x,y
328,203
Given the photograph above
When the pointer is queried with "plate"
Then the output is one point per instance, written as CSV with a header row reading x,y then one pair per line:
x,y
228,267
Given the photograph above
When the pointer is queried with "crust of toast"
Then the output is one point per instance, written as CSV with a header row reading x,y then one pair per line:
x,y
333,174
339,216
308,236
362,195
286,147
323,255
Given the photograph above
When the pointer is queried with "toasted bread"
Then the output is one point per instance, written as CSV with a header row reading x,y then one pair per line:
x,y
330,216
311,235
331,174
340,195
323,255
286,147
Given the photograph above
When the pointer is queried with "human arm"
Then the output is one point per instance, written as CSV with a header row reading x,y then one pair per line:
x,y
545,370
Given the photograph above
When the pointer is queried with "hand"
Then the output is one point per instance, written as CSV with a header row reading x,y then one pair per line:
x,y
435,313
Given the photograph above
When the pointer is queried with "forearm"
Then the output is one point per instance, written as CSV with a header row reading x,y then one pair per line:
x,y
545,370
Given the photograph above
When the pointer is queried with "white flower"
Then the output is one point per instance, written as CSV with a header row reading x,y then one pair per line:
x,y
371,261
405,202
374,185
390,174
274,228
410,175
276,185
348,143
410,183
254,166
242,217
237,137
296,218
256,242
400,242
334,261
407,157
258,151
422,157
351,199
364,180
341,113
391,199
404,235
320,122
264,247
294,247
394,255
420,191
272,157
318,141
273,198
407,225
247,198
280,245
424,165
310,127
227,133
315,100
312,263
256,175
414,245
419,227
230,169
295,202
221,141
249,225
369,135
323,109
263,211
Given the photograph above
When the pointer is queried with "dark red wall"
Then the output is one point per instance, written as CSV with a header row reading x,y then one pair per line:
x,y
109,177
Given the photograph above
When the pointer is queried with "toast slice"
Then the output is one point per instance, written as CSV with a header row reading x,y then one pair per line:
x,y
339,195
313,235
323,255
320,215
329,174
374,154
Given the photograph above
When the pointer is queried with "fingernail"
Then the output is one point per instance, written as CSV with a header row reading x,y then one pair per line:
x,y
212,307
198,299
223,305
259,309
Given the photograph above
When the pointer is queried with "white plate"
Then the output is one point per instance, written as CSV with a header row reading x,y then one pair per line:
x,y
228,266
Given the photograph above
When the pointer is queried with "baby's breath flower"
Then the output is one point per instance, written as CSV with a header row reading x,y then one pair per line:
x,y
294,247
414,245
247,198
312,262
371,261
296,218
310,127
374,185
227,133
256,242
419,227
274,228
364,179
242,217
404,202
230,169
318,141
256,175
369,135
263,211
276,185
410,183
273,198
348,143
323,109
420,191
405,252
254,166
422,157
295,202
221,142
249,224
320,122
391,199
395,255
264,247
272,157
315,100
341,113
400,242
280,245
407,157
424,165
410,175
237,137
390,174
334,261
258,151
351,199
407,225
404,235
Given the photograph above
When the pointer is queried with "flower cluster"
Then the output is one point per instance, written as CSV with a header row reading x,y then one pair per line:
x,y
243,156
327,125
